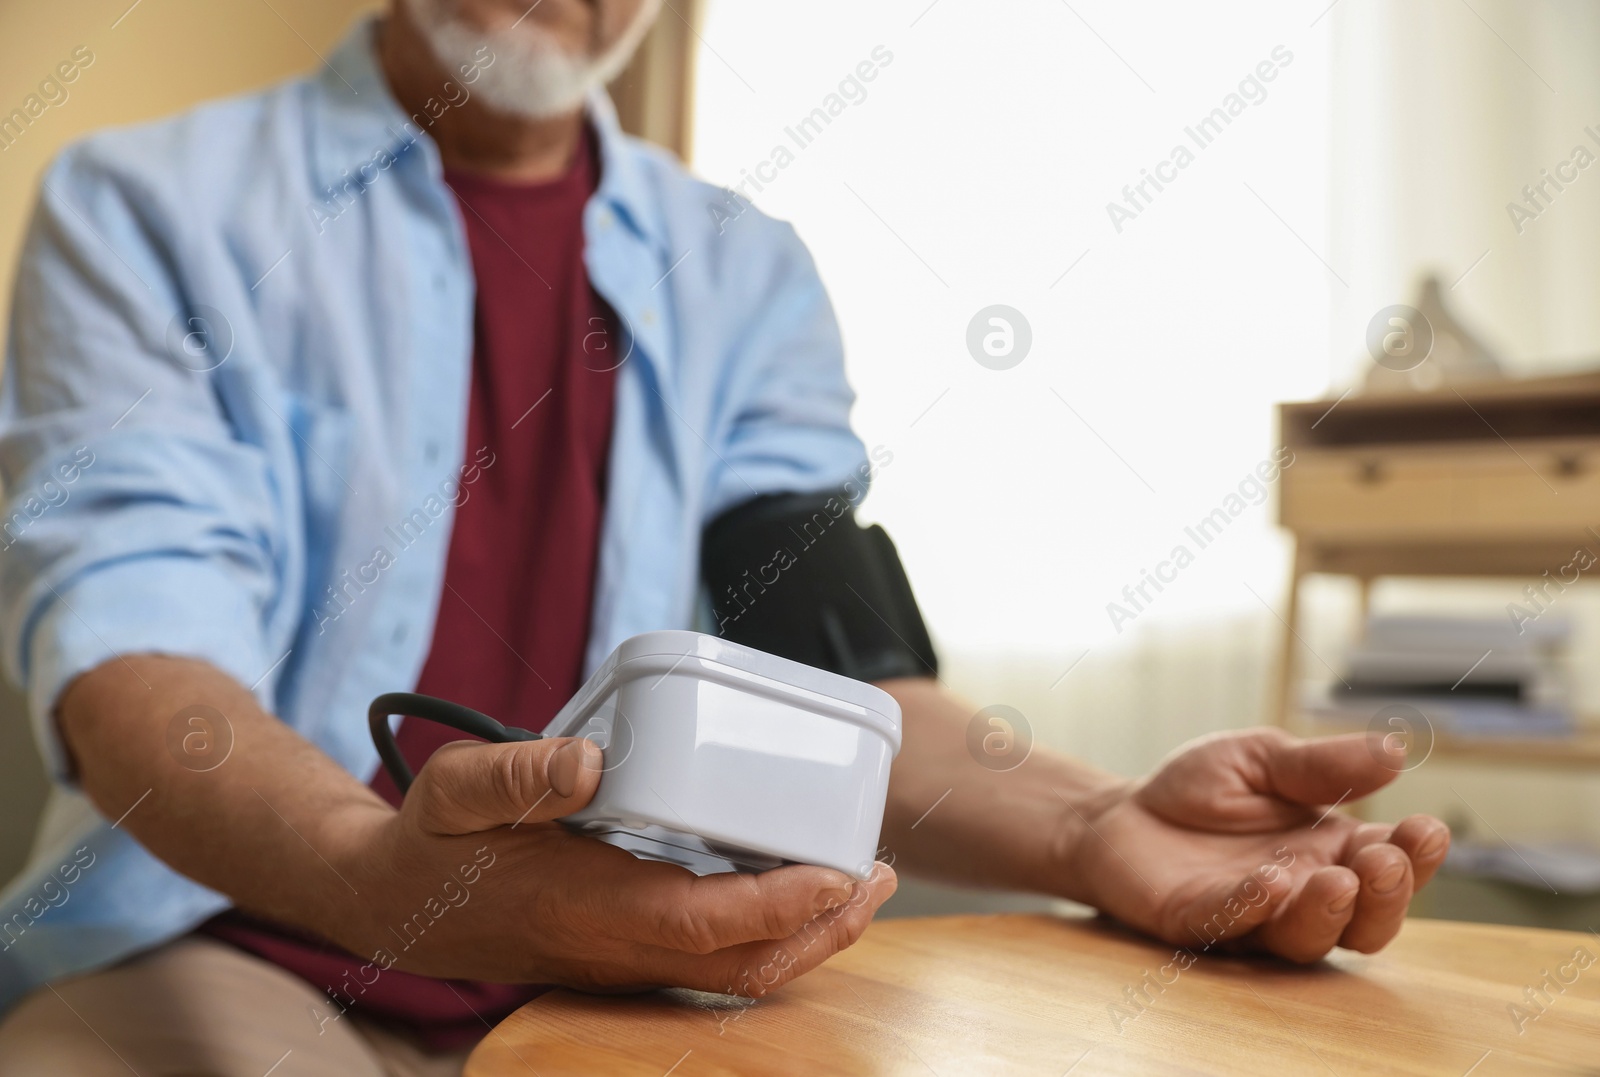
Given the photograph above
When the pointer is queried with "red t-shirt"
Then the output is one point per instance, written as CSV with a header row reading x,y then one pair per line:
x,y
519,580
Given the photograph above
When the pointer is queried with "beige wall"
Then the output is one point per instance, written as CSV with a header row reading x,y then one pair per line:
x,y
161,57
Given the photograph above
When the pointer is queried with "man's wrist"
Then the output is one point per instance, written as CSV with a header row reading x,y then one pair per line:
x,y
1081,807
1018,829
345,906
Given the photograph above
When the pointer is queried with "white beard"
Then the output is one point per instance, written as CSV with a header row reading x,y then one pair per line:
x,y
532,75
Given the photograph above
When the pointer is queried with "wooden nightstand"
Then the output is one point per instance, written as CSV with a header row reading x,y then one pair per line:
x,y
1489,480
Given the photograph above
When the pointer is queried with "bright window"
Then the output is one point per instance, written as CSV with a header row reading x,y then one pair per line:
x,y
976,170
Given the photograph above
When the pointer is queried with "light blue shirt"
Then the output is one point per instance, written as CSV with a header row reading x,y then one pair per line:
x,y
238,360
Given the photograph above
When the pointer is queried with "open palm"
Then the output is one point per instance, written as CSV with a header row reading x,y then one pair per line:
x,y
1230,843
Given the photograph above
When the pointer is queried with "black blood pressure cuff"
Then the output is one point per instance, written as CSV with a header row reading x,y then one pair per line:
x,y
796,576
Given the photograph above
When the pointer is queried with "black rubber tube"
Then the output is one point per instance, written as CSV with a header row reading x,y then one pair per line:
x,y
454,715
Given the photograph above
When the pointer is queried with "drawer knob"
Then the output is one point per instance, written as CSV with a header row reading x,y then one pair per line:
x,y
1370,472
1569,465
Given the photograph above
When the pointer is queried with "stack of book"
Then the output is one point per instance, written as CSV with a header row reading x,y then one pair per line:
x,y
1469,676
1562,867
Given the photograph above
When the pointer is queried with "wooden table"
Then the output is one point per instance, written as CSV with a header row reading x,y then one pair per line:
x,y
954,996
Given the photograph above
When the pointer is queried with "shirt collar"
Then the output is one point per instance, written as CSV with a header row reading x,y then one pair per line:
x,y
623,183
358,119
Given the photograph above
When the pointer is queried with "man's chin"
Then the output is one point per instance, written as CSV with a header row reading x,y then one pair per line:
x,y
543,61
569,24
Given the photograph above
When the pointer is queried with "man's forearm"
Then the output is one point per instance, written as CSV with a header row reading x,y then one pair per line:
x,y
265,825
952,819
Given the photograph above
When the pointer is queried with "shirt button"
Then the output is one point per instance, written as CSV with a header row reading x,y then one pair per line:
x,y
430,452
399,635
438,282
648,317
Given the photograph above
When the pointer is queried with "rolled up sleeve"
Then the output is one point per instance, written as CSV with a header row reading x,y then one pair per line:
x,y
137,519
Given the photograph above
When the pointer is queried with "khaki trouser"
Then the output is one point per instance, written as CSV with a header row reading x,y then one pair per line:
x,y
198,1007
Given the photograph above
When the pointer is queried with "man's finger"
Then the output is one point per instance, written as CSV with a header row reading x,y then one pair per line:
x,y
1386,888
1264,779
1423,838
1362,835
707,913
467,787
1327,770
1224,913
1309,924
758,968
1426,841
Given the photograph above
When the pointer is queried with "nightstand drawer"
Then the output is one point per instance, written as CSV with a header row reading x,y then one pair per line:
x,y
1448,492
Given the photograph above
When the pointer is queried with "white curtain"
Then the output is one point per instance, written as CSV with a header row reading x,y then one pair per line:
x,y
1443,110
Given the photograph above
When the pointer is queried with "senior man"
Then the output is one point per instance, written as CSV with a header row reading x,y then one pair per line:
x,y
418,373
